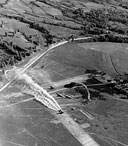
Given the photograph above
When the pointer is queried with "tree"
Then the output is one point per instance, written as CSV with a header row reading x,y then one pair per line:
x,y
49,39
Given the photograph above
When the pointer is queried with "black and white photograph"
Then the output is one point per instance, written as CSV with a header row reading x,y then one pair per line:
x,y
63,72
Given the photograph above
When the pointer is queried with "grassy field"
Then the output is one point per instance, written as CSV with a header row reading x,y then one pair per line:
x,y
31,122
108,57
26,25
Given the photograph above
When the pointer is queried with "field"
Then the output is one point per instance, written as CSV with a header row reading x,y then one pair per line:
x,y
28,122
24,25
69,72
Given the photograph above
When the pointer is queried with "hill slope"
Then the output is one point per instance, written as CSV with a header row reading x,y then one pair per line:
x,y
24,24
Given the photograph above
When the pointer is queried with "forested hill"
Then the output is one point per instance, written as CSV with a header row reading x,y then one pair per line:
x,y
25,24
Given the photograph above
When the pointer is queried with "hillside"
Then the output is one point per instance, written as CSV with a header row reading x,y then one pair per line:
x,y
87,77
26,24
